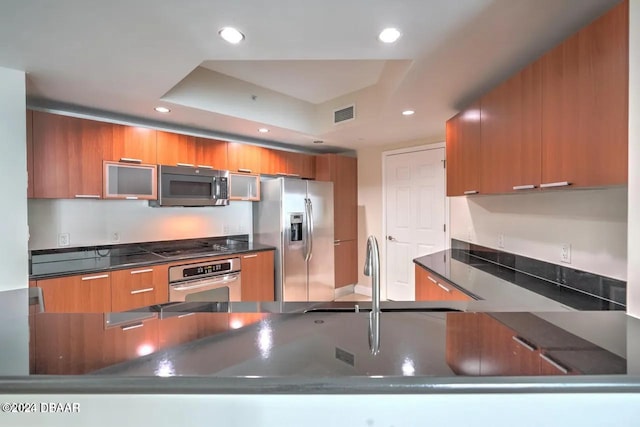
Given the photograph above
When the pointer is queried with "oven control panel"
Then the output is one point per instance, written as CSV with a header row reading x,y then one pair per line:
x,y
199,270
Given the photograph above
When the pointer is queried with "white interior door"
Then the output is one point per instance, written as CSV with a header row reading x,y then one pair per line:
x,y
415,215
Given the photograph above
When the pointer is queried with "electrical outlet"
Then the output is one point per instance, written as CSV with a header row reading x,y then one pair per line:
x,y
63,239
501,241
115,237
226,229
470,234
565,253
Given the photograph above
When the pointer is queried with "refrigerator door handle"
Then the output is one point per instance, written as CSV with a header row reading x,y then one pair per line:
x,y
310,222
307,240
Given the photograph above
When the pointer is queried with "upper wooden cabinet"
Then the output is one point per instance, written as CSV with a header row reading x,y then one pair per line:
x,y
175,149
463,152
287,163
29,153
244,157
511,134
67,156
133,144
211,153
585,90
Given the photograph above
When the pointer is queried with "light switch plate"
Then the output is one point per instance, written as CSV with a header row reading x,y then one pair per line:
x,y
501,241
565,253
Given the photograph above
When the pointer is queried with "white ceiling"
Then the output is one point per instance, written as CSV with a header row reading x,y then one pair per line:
x,y
300,60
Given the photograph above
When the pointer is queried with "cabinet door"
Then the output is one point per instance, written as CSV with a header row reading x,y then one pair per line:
x,y
67,156
345,196
309,166
244,186
175,149
130,181
244,157
463,344
585,105
30,170
463,152
130,341
258,276
132,144
139,287
273,162
346,262
430,287
89,293
511,136
211,153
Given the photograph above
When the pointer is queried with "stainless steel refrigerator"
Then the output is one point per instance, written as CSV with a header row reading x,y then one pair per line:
x,y
296,216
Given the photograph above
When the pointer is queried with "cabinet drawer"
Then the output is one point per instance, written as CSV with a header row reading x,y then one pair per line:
x,y
431,287
139,287
89,293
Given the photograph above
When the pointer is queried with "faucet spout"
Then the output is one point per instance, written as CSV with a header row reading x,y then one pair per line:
x,y
372,268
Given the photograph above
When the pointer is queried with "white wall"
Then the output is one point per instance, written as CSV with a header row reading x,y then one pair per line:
x,y
633,285
594,222
13,188
93,222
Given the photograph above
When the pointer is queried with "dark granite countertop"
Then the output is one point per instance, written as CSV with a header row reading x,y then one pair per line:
x,y
46,264
489,280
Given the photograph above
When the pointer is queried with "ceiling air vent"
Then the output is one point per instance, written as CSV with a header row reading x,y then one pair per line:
x,y
344,114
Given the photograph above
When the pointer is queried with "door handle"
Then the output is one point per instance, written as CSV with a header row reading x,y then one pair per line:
x,y
391,238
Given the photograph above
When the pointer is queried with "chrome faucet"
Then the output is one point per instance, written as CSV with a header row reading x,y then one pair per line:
x,y
372,268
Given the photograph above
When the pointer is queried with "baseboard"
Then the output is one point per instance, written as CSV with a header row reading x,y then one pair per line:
x,y
362,290
344,290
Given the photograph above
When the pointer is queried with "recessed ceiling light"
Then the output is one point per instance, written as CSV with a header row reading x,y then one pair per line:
x,y
231,35
263,130
162,109
408,113
389,35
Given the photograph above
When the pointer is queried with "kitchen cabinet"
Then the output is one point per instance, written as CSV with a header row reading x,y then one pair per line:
x,y
244,186
288,163
130,181
29,154
511,134
585,92
430,287
245,158
139,287
132,144
258,276
274,162
463,152
67,156
343,172
175,149
463,343
89,293
211,153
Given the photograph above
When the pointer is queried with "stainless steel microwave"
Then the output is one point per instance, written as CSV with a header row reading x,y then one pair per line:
x,y
191,186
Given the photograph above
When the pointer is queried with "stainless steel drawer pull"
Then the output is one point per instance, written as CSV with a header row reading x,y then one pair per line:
x,y
128,328
250,256
555,184
205,166
554,364
282,173
146,270
131,197
101,276
432,279
295,175
87,196
336,243
470,192
524,187
186,164
130,160
186,315
141,291
443,287
523,343
244,170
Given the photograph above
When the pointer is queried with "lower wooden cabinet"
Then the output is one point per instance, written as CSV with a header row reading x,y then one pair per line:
x,y
463,343
258,283
90,293
430,287
139,287
346,262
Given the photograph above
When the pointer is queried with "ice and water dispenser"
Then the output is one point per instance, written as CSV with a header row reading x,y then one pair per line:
x,y
296,227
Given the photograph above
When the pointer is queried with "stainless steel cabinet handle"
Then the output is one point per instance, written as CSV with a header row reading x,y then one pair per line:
x,y
128,328
554,364
131,197
186,315
205,166
250,256
523,343
555,184
281,173
87,196
443,287
295,175
469,192
432,279
146,270
100,276
336,243
524,187
130,160
191,165
141,291
244,170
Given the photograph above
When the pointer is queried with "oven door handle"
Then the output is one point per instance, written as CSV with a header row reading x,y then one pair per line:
x,y
205,283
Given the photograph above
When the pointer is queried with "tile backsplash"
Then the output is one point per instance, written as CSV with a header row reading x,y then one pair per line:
x,y
106,222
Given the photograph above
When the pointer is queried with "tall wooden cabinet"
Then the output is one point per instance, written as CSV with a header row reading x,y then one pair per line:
x,y
343,172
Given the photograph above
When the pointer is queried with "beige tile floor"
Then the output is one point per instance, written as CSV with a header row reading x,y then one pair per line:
x,y
354,297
